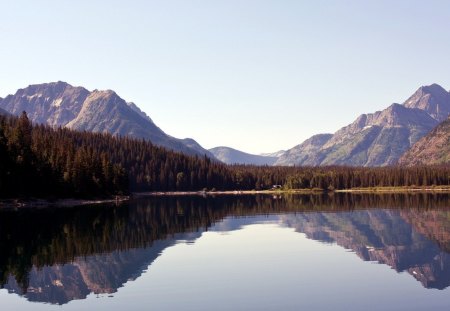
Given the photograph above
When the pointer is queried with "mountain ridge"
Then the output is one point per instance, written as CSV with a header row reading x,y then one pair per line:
x,y
373,139
229,155
61,104
304,152
379,138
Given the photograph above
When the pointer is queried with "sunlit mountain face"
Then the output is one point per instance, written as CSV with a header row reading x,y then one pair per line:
x,y
59,255
60,104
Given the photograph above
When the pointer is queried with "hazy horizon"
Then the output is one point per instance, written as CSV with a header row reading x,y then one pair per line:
x,y
258,76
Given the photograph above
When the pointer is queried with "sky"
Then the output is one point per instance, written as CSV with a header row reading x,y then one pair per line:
x,y
255,75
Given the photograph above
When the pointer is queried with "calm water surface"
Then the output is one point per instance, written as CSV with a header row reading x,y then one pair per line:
x,y
339,252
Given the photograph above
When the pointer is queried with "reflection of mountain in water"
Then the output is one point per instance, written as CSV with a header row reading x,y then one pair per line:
x,y
398,238
59,255
98,274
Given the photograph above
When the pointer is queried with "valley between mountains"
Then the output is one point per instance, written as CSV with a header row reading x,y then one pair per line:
x,y
414,132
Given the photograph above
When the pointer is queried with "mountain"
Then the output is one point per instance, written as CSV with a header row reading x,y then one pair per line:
x,y
305,152
193,145
275,154
433,99
433,149
232,156
376,139
61,104
3,112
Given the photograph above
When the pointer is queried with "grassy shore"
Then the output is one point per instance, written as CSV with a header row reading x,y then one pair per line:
x,y
405,189
398,189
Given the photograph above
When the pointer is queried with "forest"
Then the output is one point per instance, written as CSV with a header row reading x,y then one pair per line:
x,y
40,161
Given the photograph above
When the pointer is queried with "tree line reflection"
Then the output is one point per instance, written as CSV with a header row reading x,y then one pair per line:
x,y
409,232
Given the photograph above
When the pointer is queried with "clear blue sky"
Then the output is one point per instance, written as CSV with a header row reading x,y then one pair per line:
x,y
254,75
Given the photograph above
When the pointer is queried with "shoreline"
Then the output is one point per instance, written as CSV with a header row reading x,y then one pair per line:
x,y
438,189
43,203
228,192
427,189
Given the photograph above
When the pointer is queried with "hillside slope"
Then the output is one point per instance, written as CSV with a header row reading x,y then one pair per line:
x,y
232,156
433,149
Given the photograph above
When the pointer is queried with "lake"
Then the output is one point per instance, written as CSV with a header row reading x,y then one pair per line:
x,y
300,252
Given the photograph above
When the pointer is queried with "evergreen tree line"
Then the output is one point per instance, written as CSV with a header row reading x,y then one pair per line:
x,y
36,160
338,177
39,161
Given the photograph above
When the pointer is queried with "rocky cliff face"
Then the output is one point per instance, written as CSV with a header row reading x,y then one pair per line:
x,y
60,104
380,138
55,103
433,149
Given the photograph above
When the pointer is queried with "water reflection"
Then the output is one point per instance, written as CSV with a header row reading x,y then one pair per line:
x,y
397,238
59,255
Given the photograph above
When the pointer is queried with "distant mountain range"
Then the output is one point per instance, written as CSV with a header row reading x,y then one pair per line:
x,y
61,104
232,156
275,154
375,139
304,153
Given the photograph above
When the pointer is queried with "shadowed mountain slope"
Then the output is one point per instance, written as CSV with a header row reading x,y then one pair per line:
x,y
433,149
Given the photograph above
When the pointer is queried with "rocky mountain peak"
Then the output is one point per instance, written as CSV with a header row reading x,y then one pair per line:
x,y
53,103
61,104
379,138
104,99
104,93
434,89
391,116
51,87
433,99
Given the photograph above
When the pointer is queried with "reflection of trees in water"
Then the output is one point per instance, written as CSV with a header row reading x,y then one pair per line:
x,y
38,238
